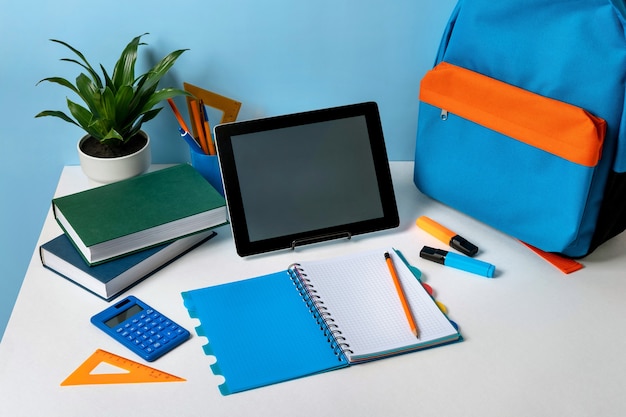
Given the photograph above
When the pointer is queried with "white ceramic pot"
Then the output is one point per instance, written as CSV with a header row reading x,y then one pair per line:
x,y
108,170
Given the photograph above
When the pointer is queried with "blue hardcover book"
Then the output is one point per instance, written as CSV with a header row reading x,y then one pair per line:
x,y
314,317
110,279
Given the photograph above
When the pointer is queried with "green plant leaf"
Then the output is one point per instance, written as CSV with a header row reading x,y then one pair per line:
x,y
151,114
123,97
112,137
60,81
107,80
86,64
124,71
99,128
85,119
59,114
161,95
81,114
108,107
151,78
90,93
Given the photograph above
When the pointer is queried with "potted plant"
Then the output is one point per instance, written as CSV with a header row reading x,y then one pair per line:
x,y
114,107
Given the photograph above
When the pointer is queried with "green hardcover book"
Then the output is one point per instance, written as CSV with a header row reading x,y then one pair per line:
x,y
120,218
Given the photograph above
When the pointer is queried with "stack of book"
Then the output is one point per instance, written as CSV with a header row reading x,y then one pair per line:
x,y
118,234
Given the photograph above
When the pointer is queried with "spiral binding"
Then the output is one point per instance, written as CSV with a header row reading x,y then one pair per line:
x,y
319,311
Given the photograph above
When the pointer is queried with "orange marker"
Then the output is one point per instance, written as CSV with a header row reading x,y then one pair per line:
x,y
405,304
447,236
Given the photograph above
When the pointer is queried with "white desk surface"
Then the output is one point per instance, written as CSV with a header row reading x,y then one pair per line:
x,y
537,342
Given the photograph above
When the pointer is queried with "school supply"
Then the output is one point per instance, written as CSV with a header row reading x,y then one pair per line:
x,y
306,177
401,295
135,372
110,279
447,236
197,106
563,264
454,260
198,125
522,124
123,217
140,328
314,317
229,107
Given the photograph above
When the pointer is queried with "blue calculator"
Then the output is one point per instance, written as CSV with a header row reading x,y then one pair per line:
x,y
140,328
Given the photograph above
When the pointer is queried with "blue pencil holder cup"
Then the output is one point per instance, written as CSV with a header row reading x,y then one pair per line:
x,y
209,167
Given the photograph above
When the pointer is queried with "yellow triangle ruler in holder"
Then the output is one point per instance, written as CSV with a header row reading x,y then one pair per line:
x,y
228,106
135,372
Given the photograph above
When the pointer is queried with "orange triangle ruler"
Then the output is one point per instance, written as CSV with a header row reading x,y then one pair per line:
x,y
134,372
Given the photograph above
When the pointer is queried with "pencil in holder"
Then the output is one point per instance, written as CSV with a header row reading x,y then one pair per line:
x,y
208,166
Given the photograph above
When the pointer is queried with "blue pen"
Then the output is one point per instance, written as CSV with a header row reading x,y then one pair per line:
x,y
461,262
190,140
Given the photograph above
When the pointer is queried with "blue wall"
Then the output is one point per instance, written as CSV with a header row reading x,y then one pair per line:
x,y
275,56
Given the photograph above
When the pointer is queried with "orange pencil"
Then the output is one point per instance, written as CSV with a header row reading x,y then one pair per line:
x,y
405,304
181,122
207,129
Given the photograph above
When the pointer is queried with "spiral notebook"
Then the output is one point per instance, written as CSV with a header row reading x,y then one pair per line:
x,y
314,317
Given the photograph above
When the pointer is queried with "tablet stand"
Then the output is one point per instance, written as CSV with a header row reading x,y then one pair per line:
x,y
320,238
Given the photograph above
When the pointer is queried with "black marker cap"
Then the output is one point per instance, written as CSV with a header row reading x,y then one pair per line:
x,y
463,246
432,254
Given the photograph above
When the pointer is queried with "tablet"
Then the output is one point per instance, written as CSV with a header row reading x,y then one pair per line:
x,y
306,177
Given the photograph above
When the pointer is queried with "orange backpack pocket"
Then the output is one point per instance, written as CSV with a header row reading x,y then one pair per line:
x,y
556,127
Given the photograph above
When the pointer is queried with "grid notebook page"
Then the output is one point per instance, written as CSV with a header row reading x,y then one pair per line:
x,y
361,297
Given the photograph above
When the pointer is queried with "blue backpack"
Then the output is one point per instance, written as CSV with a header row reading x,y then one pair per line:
x,y
521,122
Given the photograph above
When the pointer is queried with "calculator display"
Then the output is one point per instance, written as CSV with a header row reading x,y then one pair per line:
x,y
123,316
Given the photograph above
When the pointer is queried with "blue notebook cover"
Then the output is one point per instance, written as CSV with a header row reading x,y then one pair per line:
x,y
108,280
254,349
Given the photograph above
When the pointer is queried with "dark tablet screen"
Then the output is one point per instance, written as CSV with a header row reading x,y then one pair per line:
x,y
306,177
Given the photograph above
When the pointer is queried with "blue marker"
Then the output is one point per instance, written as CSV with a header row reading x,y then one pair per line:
x,y
461,262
